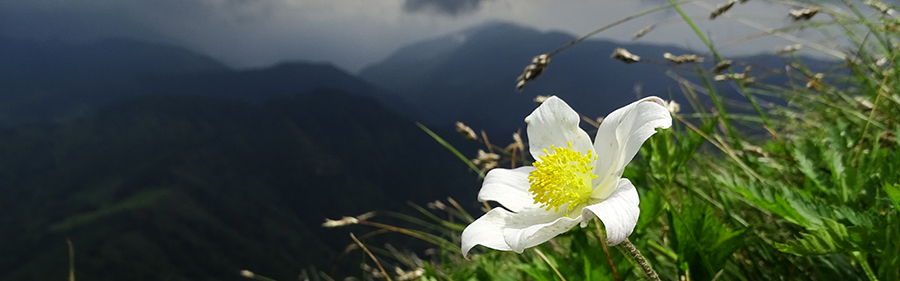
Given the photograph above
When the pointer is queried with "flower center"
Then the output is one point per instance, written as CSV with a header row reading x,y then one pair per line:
x,y
562,176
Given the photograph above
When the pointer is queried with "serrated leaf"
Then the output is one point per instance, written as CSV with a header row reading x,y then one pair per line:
x,y
809,170
703,243
832,237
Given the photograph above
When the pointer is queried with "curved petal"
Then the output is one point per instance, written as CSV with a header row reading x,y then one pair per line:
x,y
486,230
509,188
622,133
532,227
555,123
619,212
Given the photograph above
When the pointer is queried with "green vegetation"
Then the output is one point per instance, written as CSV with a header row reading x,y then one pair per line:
x,y
805,190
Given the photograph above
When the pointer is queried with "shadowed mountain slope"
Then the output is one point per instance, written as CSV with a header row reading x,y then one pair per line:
x,y
197,188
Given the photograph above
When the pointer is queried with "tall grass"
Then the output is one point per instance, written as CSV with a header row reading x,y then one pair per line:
x,y
814,197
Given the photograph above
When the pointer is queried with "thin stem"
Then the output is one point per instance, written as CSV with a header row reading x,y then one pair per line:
x,y
663,250
618,22
541,254
71,259
878,95
861,258
605,250
371,256
631,250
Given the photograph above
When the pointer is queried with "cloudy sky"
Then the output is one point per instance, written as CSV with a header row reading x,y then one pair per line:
x,y
355,33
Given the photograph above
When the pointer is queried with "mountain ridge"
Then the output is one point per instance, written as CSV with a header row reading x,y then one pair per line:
x,y
46,82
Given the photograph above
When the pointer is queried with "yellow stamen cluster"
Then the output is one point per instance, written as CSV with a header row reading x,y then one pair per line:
x,y
562,176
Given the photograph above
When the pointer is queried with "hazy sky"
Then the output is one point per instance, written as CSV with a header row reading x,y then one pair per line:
x,y
355,33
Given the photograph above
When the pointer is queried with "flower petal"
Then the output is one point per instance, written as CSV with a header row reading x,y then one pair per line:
x,y
619,212
621,135
534,226
509,188
555,123
506,231
486,230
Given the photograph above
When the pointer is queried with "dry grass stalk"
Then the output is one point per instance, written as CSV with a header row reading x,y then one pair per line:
x,y
804,14
788,49
465,131
722,9
682,58
624,56
722,65
533,70
643,32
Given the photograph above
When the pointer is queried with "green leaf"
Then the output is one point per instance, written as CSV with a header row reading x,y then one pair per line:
x,y
893,192
832,237
703,243
809,169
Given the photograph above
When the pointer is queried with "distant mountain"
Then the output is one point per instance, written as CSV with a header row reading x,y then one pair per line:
x,y
51,81
260,85
110,58
198,188
471,75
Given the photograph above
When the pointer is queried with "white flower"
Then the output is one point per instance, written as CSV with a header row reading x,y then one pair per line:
x,y
571,182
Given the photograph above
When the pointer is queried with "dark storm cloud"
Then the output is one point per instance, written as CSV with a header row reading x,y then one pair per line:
x,y
448,7
82,20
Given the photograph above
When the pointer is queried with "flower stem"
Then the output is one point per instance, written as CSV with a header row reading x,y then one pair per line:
x,y
605,250
640,259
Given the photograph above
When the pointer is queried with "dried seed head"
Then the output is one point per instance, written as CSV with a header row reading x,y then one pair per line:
x,y
722,9
437,205
815,81
533,70
788,49
722,65
881,62
804,14
374,272
517,144
540,99
412,275
882,7
643,31
624,56
484,158
486,161
488,166
517,139
864,103
744,76
342,222
673,107
682,58
740,77
878,5
465,131
755,150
